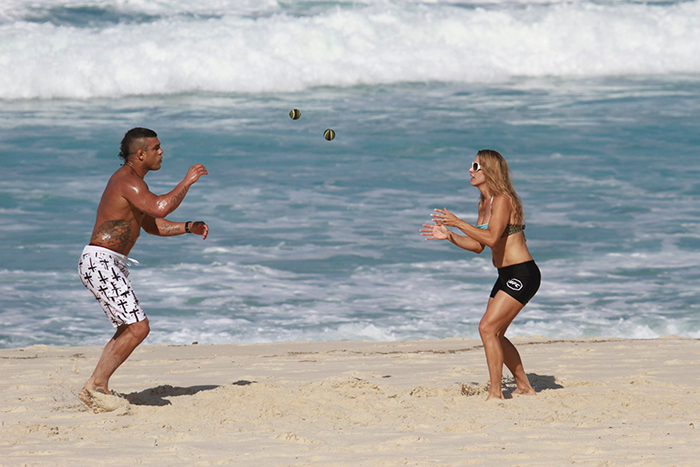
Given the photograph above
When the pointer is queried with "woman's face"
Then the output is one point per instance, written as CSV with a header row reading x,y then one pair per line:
x,y
477,173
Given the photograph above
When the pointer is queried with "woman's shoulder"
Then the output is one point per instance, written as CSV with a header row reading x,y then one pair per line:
x,y
501,201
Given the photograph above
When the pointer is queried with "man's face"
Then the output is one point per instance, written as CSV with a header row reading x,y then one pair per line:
x,y
153,154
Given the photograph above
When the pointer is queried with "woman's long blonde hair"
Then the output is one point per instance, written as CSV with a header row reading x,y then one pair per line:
x,y
497,173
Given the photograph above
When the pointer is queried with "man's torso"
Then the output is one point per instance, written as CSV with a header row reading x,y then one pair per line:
x,y
118,222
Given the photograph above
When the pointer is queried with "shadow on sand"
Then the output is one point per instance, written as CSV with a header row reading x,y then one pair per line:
x,y
158,396
539,383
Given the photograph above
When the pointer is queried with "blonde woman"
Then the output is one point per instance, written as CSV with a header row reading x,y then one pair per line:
x,y
499,226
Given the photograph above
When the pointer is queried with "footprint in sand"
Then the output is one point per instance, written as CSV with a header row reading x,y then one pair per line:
x,y
98,401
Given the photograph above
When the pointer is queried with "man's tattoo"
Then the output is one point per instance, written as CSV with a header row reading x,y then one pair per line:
x,y
177,199
171,228
114,235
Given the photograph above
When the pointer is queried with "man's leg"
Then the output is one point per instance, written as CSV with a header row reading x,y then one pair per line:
x,y
117,350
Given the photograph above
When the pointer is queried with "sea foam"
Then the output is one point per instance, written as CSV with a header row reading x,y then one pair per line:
x,y
100,49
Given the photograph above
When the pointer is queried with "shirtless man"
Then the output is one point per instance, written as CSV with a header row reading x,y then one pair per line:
x,y
126,206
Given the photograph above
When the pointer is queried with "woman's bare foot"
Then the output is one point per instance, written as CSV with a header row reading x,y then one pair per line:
x,y
524,392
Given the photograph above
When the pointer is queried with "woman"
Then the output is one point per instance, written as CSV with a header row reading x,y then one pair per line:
x,y
499,226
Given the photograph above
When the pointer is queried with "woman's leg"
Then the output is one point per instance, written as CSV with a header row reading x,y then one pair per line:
x,y
511,358
500,312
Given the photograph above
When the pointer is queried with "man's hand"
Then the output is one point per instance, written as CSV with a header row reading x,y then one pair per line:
x,y
194,173
200,228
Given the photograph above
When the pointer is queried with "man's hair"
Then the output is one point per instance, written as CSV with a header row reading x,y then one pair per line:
x,y
132,140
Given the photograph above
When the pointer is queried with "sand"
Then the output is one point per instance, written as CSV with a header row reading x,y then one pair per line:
x,y
600,402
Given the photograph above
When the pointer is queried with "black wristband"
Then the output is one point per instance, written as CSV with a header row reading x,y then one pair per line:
x,y
187,226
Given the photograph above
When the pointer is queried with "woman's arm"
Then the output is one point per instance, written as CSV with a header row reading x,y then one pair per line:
x,y
440,232
500,215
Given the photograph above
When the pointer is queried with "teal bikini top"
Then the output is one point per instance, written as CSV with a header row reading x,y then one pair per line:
x,y
511,229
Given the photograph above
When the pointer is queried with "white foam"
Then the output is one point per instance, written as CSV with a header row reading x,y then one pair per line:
x,y
233,48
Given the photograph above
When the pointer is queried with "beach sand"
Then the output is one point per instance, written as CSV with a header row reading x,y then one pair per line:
x,y
600,402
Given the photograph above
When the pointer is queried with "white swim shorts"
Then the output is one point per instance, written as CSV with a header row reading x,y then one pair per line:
x,y
104,273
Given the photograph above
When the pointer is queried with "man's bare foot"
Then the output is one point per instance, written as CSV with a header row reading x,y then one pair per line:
x,y
101,388
97,400
495,397
87,394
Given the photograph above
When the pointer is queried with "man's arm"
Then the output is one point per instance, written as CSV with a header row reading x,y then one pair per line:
x,y
166,228
137,193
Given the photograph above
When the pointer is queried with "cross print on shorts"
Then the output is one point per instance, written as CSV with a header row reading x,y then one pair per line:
x,y
88,278
103,279
115,276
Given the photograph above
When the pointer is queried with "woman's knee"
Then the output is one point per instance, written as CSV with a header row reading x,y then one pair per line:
x,y
487,329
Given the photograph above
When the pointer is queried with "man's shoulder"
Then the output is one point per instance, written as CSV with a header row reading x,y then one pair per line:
x,y
122,178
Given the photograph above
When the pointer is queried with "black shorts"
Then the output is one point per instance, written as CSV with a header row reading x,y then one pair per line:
x,y
520,281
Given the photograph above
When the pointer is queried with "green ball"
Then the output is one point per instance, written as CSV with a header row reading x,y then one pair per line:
x,y
329,134
295,114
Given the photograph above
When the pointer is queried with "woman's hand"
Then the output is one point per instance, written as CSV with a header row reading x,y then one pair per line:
x,y
445,217
435,232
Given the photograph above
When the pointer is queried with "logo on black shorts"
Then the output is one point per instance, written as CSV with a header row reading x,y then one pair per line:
x,y
514,284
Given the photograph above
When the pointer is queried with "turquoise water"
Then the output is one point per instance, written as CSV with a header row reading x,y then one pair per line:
x,y
317,240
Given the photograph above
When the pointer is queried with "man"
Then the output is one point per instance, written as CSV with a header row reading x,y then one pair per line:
x,y
126,206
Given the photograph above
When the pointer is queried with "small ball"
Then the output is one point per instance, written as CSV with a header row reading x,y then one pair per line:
x,y
295,114
329,134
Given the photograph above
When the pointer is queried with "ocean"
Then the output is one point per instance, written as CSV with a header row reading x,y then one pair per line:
x,y
595,105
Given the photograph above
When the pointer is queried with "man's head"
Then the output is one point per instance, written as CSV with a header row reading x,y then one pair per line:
x,y
135,140
141,145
